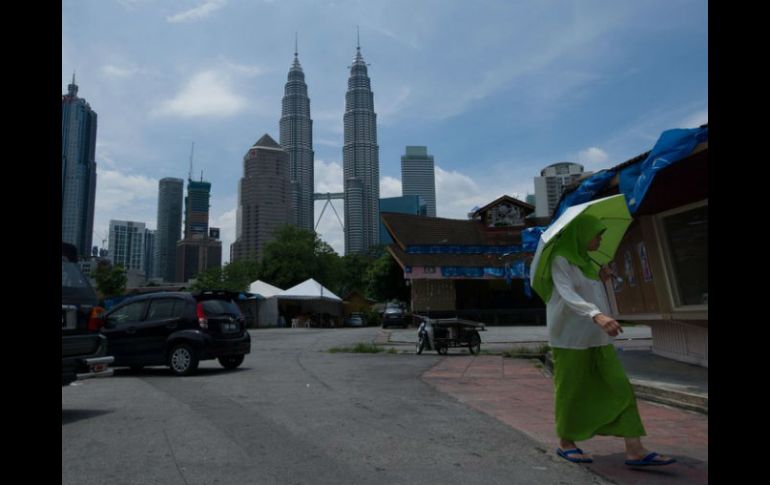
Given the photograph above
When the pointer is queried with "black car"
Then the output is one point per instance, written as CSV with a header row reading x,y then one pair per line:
x,y
394,314
177,329
83,348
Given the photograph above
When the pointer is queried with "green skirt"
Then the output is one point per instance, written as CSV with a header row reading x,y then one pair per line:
x,y
593,396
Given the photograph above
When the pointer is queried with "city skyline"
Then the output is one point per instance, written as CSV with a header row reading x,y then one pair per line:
x,y
586,82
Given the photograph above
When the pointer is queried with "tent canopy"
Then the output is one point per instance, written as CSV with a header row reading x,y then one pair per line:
x,y
309,290
264,289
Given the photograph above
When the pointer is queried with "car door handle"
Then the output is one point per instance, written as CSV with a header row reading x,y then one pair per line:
x,y
131,330
172,325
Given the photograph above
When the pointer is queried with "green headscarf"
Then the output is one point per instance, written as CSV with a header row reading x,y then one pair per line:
x,y
572,245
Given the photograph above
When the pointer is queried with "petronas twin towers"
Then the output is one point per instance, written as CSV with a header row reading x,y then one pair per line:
x,y
360,155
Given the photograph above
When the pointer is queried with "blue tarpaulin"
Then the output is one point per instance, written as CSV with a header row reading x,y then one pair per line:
x,y
530,238
517,270
586,191
635,180
672,146
436,249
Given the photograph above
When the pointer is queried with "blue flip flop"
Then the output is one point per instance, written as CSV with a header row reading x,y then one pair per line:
x,y
565,454
649,460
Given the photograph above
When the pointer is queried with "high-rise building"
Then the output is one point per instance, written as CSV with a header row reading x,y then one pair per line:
x,y
196,256
197,252
296,135
149,253
170,195
264,199
418,176
407,204
361,162
78,170
196,209
127,244
551,183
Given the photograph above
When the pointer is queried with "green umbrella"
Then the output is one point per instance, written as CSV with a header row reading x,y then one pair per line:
x,y
612,212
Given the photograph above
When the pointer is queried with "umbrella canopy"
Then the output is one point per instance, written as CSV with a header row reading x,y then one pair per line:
x,y
612,212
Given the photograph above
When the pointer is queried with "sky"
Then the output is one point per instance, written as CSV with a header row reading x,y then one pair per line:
x,y
497,90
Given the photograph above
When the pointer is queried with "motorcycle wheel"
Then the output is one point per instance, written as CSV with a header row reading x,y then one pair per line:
x,y
420,344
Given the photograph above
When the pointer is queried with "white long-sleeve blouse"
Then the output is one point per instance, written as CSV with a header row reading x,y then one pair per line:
x,y
574,302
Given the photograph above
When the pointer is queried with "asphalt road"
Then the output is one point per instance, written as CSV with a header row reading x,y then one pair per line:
x,y
294,413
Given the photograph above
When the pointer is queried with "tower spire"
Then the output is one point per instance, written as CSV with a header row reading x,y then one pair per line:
x,y
296,42
72,89
192,149
358,38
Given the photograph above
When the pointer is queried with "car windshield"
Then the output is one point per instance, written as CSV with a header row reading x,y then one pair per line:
x,y
220,307
71,277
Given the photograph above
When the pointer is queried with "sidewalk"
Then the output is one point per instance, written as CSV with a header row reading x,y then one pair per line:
x,y
520,395
654,378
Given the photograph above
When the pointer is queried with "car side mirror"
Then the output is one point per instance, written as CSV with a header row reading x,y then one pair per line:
x,y
109,322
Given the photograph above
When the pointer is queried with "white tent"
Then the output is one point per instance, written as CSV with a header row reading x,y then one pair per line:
x,y
267,310
264,289
308,290
311,303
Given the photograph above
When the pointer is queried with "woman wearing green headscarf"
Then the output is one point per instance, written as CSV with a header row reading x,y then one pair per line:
x,y
593,396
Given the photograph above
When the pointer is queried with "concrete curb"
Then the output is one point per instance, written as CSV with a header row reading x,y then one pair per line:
x,y
668,394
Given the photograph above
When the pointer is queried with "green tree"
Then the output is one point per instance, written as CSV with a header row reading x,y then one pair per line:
x,y
353,270
234,276
385,280
110,280
296,255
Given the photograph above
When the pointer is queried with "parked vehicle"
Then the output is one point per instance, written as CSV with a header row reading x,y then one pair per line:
x,y
441,334
394,315
355,320
83,347
177,329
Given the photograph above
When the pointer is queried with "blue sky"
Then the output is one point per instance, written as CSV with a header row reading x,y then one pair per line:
x,y
496,90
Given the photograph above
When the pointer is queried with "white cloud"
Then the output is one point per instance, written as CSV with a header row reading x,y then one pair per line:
x,y
117,190
113,71
125,197
593,158
457,194
328,177
390,187
249,71
198,13
208,93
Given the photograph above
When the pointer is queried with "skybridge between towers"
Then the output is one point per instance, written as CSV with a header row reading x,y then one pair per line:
x,y
328,197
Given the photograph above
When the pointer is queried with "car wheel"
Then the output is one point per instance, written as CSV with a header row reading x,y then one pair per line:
x,y
443,350
183,360
420,344
231,362
475,344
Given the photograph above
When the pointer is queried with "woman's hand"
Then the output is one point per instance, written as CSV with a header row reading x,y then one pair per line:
x,y
608,324
605,273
